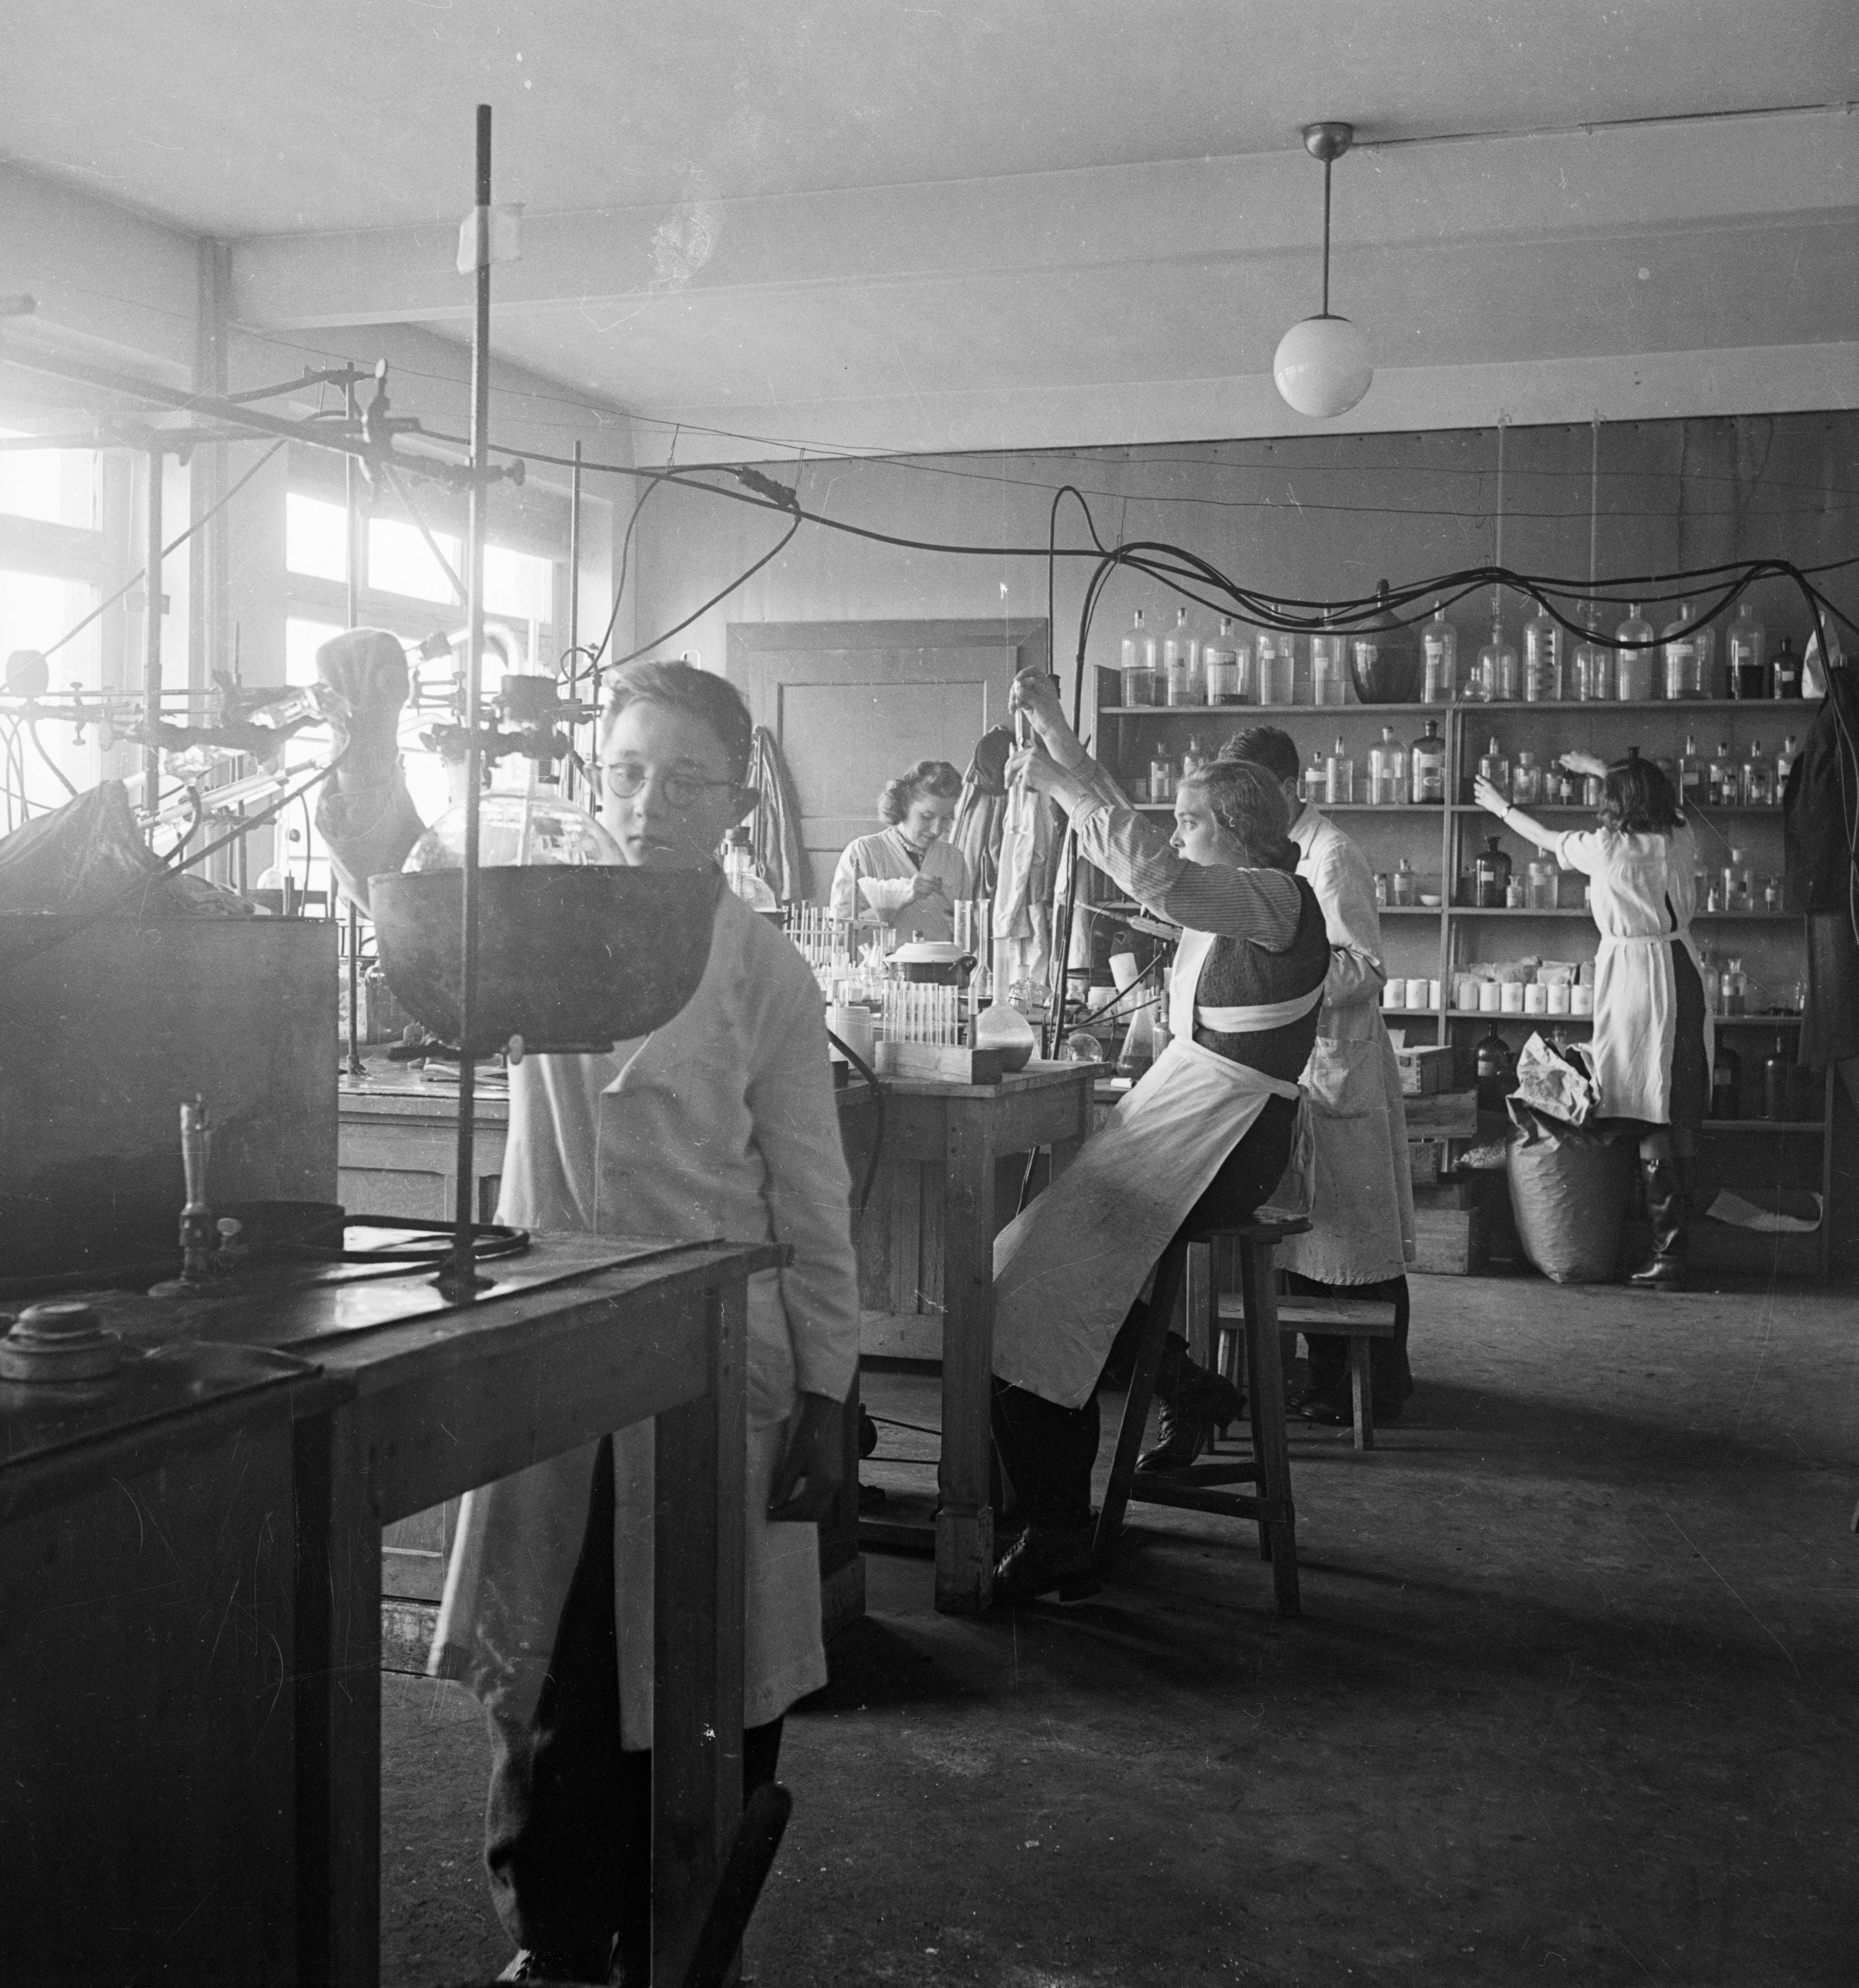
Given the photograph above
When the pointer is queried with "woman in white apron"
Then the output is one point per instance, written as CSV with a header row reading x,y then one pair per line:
x,y
1202,1140
1362,1234
910,874
1651,1045
721,1123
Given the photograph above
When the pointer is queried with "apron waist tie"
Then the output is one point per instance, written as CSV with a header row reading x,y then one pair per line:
x,y
1260,1016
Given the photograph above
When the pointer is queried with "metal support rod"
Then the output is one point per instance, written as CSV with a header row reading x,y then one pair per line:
x,y
351,495
1327,164
1594,496
569,774
459,1278
151,639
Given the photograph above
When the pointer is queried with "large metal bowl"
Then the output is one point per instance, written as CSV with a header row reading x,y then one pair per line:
x,y
573,960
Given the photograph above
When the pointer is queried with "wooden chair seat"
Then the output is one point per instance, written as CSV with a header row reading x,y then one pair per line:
x,y
1199,1488
1356,1320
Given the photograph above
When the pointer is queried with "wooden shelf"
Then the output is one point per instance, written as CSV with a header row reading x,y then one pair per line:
x,y
1588,707
1497,1015
1577,807
1764,1125
1267,710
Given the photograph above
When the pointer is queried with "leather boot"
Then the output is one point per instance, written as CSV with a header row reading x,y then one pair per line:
x,y
1044,1557
1192,1403
1667,1179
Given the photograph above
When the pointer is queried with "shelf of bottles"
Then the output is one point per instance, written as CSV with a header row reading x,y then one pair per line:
x,y
1719,706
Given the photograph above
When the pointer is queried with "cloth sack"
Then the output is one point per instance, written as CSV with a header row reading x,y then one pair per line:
x,y
1569,1186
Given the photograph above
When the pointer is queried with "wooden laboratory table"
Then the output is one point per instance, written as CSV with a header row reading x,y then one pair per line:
x,y
954,1155
421,1401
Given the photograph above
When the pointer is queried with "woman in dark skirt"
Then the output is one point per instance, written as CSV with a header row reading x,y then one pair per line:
x,y
1650,1045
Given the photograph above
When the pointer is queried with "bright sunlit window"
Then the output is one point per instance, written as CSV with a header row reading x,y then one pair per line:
x,y
519,585
36,611
302,640
55,485
400,561
315,538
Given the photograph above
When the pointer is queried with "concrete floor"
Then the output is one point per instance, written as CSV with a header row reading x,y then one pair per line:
x,y
1574,1698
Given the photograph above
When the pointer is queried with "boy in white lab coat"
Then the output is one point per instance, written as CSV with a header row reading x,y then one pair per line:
x,y
721,1123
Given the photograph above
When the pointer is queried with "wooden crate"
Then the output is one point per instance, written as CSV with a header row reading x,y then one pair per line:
x,y
1452,1241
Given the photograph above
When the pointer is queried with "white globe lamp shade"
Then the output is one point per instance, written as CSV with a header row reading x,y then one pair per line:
x,y
1322,366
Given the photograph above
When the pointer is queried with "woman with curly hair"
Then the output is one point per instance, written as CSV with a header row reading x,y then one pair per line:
x,y
908,876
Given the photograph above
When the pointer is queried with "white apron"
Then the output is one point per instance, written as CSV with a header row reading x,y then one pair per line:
x,y
1066,1270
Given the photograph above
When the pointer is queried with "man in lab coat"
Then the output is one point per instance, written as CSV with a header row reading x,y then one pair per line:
x,y
1362,1234
721,1123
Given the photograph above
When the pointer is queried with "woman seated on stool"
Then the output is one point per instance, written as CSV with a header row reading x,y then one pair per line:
x,y
1651,1056
907,875
1197,1146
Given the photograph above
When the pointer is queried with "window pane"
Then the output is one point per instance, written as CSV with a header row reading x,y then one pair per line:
x,y
55,484
315,537
35,611
519,585
399,562
302,640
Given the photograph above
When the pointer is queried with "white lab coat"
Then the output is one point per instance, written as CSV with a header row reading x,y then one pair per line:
x,y
874,880
1363,1228
721,1124
1632,879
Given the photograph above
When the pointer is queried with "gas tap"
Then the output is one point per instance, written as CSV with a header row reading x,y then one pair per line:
x,y
198,1233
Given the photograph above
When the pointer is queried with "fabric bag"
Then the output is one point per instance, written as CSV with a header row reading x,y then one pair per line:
x,y
1569,1186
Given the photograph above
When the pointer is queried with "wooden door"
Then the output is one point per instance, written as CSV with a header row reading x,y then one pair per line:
x,y
852,703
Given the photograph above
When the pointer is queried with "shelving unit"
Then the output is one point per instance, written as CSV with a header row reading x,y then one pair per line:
x,y
1435,942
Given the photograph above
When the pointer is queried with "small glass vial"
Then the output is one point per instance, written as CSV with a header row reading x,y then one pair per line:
x,y
1746,653
1381,890
1787,670
1138,665
1593,668
1543,659
1220,667
1439,646
1784,765
1723,783
1426,767
1758,777
1772,894
1340,777
1634,663
1733,988
1736,884
1181,664
1328,667
1387,770
1526,781
1194,755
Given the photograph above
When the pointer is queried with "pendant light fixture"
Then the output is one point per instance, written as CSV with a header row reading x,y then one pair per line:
x,y
1322,366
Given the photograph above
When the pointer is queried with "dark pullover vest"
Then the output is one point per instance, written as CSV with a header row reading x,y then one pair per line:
x,y
1241,973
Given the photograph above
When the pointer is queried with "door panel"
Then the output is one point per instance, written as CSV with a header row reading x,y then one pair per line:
x,y
851,704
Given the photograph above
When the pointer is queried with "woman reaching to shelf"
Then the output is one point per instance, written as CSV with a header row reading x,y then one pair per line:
x,y
1649,1047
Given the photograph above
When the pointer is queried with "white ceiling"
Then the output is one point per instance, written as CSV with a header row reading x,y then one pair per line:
x,y
994,221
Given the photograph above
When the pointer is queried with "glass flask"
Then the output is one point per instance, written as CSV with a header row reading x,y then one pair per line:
x,y
1634,660
520,826
1745,653
1685,646
1543,659
1328,683
1495,766
1387,770
1426,766
1181,667
1138,663
1758,777
1340,777
1491,875
1593,668
1439,646
1220,667
740,872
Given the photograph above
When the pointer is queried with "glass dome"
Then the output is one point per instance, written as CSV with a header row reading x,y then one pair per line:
x,y
517,831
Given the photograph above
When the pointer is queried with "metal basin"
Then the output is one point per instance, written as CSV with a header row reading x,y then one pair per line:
x,y
571,959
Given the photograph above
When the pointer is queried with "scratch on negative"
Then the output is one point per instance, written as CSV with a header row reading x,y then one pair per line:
x,y
1741,1603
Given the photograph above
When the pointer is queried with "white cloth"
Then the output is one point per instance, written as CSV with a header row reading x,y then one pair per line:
x,y
1632,880
721,1124
1067,1269
1363,1228
874,878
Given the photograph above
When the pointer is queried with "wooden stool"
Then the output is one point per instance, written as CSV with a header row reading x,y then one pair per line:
x,y
1193,1489
1356,1320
